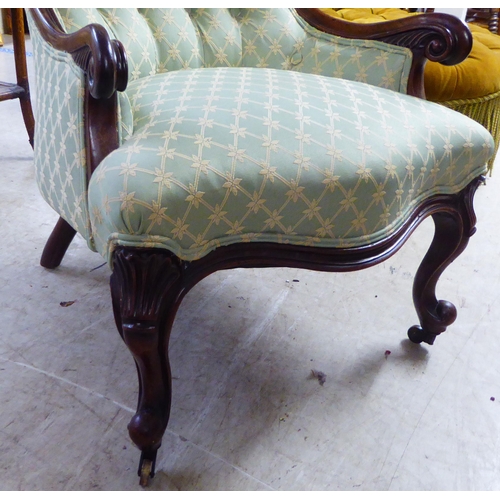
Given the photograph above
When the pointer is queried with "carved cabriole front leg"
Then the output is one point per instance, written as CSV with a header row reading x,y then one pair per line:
x,y
145,287
454,225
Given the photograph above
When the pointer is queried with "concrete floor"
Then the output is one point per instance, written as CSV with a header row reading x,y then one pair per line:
x,y
247,415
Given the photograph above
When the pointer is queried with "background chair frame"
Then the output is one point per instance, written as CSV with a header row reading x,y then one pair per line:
x,y
20,90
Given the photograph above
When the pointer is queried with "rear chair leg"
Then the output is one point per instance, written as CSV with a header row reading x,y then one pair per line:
x,y
57,244
145,287
454,225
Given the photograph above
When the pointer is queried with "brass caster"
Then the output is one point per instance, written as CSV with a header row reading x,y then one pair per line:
x,y
147,467
145,472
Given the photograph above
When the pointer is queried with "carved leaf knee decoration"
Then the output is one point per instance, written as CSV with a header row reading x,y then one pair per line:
x,y
145,286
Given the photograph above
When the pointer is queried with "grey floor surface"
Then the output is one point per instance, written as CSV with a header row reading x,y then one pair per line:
x,y
247,415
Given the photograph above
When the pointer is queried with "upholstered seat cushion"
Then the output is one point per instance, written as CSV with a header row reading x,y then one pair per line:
x,y
306,159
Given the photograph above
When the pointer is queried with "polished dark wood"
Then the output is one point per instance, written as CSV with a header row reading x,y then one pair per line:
x,y
103,61
104,64
10,91
484,17
7,21
148,285
455,224
21,89
145,289
59,240
435,37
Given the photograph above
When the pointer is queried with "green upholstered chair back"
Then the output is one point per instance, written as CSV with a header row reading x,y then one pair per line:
x,y
159,40
164,40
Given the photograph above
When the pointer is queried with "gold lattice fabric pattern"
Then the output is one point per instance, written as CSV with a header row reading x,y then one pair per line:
x,y
227,155
245,125
159,40
60,165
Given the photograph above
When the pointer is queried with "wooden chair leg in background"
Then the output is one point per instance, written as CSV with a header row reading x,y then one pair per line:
x,y
57,244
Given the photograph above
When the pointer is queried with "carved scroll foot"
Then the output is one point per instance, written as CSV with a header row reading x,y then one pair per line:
x,y
146,286
454,225
417,335
57,244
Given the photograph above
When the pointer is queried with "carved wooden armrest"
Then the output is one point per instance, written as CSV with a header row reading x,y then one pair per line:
x,y
435,37
103,60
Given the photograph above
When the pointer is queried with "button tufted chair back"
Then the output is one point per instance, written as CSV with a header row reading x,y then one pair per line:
x,y
165,40
211,157
159,40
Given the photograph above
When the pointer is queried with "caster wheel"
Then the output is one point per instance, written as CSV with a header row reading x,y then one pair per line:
x,y
145,472
147,467
418,335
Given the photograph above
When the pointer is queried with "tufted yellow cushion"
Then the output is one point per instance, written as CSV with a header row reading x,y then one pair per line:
x,y
368,15
477,76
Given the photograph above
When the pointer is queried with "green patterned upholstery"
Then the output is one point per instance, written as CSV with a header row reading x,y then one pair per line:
x,y
161,40
227,155
60,165
243,138
266,137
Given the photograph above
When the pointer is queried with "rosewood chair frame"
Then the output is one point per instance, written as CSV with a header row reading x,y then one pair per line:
x,y
148,285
